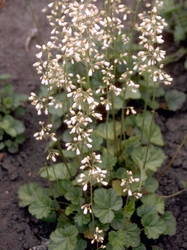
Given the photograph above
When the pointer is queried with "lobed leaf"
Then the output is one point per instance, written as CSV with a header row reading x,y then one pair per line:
x,y
170,223
105,203
63,239
41,207
154,226
29,193
175,99
154,159
154,200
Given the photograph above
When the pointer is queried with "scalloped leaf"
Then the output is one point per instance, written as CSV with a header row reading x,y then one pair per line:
x,y
175,99
154,226
63,239
106,202
56,172
155,157
102,128
170,223
130,237
154,200
29,193
41,207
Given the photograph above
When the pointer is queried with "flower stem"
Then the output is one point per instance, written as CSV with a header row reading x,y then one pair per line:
x,y
173,158
150,131
172,195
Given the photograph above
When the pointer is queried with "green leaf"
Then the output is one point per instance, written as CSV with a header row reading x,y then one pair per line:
x,y
106,202
63,239
116,184
155,201
153,226
56,172
156,135
96,141
41,207
20,139
8,102
2,145
19,126
130,237
11,131
81,245
13,148
108,160
29,193
102,128
175,99
139,247
82,219
74,195
155,157
170,223
129,208
151,185
19,98
131,94
117,240
20,111
118,221
179,33
52,217
146,209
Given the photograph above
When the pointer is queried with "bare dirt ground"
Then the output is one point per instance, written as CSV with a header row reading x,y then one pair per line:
x,y
19,230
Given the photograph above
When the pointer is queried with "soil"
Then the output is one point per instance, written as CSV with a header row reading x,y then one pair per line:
x,y
18,229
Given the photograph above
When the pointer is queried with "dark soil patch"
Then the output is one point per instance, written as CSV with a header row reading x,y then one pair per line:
x,y
18,229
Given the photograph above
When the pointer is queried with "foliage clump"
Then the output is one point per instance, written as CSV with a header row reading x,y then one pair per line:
x,y
102,167
11,129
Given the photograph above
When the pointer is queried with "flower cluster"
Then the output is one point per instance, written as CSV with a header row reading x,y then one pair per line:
x,y
41,103
126,184
98,237
94,173
45,132
151,29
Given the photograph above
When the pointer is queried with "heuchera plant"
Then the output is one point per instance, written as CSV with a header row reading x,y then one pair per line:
x,y
11,107
101,173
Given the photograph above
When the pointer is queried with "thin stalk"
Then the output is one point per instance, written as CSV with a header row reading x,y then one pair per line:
x,y
133,30
35,22
145,108
149,138
91,197
114,127
50,187
107,141
60,149
122,119
128,66
173,158
172,195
